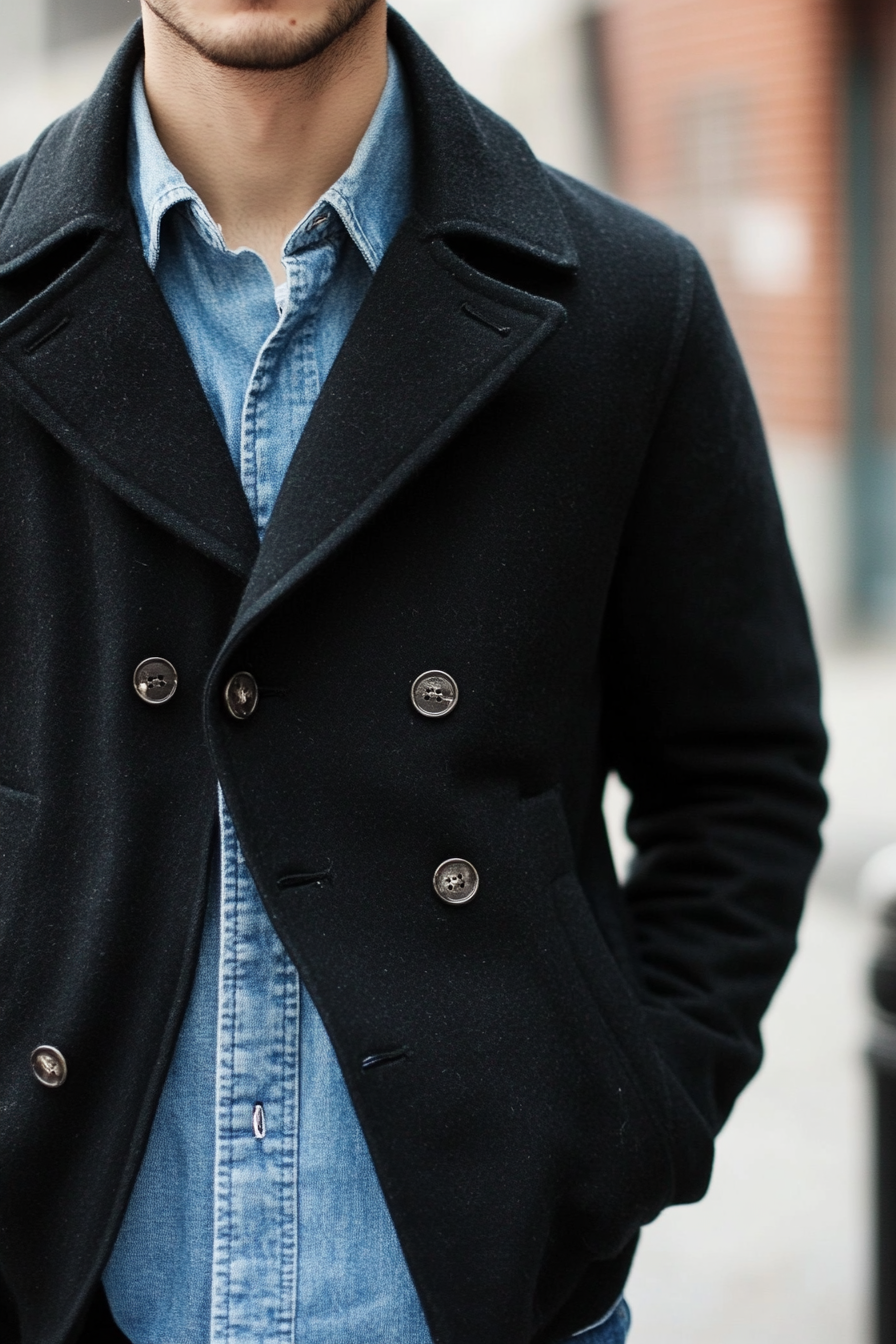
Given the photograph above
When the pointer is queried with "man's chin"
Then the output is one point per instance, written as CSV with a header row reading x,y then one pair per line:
x,y
262,42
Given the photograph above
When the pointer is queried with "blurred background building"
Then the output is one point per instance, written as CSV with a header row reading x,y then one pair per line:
x,y
765,130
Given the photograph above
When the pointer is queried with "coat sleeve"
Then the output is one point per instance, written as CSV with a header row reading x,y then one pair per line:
x,y
711,718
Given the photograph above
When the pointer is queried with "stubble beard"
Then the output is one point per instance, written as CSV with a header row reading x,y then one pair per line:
x,y
271,46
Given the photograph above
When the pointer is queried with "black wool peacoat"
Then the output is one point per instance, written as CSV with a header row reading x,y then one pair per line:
x,y
537,466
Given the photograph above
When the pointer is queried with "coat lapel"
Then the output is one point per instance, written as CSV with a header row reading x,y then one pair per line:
x,y
95,356
100,364
434,339
432,342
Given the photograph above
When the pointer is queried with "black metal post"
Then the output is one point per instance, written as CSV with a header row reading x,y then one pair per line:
x,y
883,1066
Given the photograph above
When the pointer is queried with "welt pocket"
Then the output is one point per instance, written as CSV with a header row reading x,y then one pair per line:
x,y
545,832
612,996
599,969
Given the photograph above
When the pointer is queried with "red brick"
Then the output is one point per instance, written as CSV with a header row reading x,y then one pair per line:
x,y
783,58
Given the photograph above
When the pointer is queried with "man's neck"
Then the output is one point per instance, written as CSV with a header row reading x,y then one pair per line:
x,y
260,148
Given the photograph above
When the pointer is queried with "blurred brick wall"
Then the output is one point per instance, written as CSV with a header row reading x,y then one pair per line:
x,y
884,47
726,122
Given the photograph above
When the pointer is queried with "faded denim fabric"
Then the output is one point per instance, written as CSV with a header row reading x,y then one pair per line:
x,y
612,1330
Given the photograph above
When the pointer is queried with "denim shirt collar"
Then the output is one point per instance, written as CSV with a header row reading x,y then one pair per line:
x,y
371,198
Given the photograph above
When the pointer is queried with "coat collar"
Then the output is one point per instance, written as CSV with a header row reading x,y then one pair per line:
x,y
95,357
73,178
475,174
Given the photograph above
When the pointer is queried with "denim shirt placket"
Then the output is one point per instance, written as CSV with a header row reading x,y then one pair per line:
x,y
255,1242
255,1267
309,258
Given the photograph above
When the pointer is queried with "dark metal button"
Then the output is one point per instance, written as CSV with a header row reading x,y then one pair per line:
x,y
456,881
434,694
241,695
49,1066
155,680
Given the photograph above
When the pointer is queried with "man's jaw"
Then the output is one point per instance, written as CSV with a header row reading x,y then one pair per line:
x,y
261,40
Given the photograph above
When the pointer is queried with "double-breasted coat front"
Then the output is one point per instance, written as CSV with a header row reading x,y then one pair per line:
x,y
536,466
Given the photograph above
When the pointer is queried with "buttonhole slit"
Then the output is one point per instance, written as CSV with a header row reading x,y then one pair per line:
x,y
503,332
47,335
315,879
386,1057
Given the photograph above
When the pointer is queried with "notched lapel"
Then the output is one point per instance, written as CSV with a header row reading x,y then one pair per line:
x,y
432,342
98,361
434,338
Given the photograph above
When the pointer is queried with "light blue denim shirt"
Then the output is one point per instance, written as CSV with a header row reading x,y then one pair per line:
x,y
257,1216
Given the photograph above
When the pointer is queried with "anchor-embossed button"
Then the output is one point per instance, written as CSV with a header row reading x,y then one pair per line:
x,y
456,881
155,680
49,1066
241,695
434,694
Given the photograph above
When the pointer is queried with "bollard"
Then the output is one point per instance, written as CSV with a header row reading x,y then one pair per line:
x,y
882,1055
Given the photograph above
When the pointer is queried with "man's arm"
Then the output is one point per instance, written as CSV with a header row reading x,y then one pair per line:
x,y
712,721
